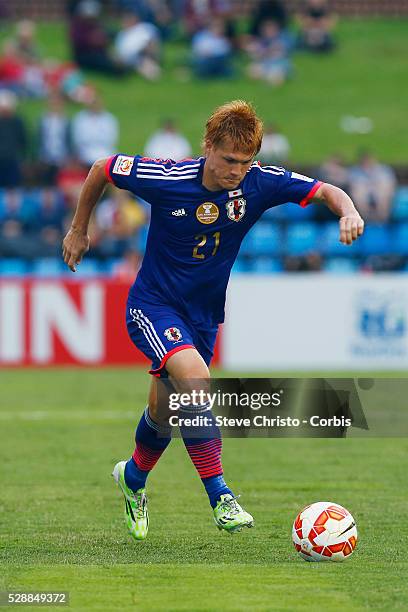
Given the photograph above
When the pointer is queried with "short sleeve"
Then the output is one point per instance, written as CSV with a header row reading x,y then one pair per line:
x,y
280,186
120,170
148,178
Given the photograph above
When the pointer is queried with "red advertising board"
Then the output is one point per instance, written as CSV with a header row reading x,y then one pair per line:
x,y
47,322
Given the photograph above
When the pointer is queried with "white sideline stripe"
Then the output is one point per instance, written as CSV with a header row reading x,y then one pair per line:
x,y
147,333
71,415
153,330
166,178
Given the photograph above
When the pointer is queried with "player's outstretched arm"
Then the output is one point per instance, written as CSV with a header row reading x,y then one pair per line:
x,y
351,224
76,242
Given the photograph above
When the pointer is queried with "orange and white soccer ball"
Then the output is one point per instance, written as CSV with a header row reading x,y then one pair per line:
x,y
324,531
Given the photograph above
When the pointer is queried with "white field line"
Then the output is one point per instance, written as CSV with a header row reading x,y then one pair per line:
x,y
66,415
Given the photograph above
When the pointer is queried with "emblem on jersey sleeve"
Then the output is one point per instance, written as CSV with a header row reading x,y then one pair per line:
x,y
207,213
236,209
123,165
173,334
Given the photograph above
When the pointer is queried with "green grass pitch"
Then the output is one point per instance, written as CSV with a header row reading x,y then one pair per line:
x,y
61,525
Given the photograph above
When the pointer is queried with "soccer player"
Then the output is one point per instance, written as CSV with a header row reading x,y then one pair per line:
x,y
201,210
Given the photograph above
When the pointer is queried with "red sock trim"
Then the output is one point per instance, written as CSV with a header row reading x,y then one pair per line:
x,y
206,457
146,458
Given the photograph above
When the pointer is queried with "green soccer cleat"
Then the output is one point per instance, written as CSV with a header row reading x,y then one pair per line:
x,y
136,514
229,515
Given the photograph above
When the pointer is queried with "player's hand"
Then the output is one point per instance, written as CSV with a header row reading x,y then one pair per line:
x,y
351,227
74,246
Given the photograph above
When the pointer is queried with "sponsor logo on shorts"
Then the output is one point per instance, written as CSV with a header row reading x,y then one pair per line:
x,y
123,165
173,334
207,213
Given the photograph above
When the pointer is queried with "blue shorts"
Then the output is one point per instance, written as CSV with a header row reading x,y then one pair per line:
x,y
160,331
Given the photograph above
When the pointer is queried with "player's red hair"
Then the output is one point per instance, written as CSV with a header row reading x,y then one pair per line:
x,y
235,121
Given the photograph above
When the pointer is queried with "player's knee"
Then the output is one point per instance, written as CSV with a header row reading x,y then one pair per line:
x,y
186,365
189,373
153,410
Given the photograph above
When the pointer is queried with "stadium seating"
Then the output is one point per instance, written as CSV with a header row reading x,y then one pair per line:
x,y
290,212
266,265
376,240
286,230
13,267
400,238
142,238
241,266
340,265
263,239
47,267
329,242
295,212
88,267
400,204
301,238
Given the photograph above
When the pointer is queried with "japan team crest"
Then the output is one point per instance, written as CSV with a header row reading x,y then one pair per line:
x,y
173,334
236,209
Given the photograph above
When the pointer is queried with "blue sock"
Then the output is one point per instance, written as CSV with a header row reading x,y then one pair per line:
x,y
215,487
134,477
151,442
204,445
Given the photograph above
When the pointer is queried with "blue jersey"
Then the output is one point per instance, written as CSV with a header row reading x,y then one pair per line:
x,y
195,234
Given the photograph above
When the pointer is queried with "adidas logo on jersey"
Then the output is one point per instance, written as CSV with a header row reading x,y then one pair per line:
x,y
180,212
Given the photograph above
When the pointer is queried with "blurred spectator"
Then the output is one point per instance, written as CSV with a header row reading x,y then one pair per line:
x,y
50,211
4,10
13,141
312,262
70,179
137,46
13,209
25,42
212,51
316,25
67,79
372,187
199,13
21,63
270,54
168,143
95,132
33,79
90,41
117,220
11,69
275,146
274,10
53,139
15,217
127,268
158,12
72,6
335,171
